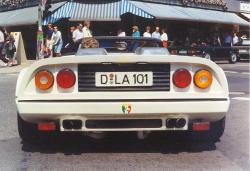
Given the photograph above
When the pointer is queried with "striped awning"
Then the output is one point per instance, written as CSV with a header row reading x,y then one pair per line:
x,y
171,12
128,7
65,11
98,10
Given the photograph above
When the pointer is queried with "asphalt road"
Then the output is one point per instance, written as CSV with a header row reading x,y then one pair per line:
x,y
124,152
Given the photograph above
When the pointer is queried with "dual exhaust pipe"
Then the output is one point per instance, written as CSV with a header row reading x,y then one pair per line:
x,y
175,123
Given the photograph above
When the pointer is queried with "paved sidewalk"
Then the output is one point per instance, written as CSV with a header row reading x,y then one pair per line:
x,y
13,69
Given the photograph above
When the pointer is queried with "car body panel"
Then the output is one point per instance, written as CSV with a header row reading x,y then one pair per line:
x,y
57,104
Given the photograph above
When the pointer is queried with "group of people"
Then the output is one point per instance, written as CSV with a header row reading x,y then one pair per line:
x,y
156,34
54,40
7,47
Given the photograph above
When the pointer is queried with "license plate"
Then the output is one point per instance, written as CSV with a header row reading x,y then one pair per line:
x,y
123,79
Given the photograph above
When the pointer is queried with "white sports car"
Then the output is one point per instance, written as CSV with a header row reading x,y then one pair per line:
x,y
128,84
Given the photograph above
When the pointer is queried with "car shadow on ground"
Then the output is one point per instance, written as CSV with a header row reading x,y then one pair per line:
x,y
78,144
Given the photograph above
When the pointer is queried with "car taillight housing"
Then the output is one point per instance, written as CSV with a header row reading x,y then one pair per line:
x,y
44,80
182,78
66,78
203,78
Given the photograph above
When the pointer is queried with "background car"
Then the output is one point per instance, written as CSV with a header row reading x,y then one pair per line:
x,y
214,52
244,49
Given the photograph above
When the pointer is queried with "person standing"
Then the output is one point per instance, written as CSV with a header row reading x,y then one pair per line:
x,y
235,39
228,39
121,33
136,32
77,36
58,42
86,29
2,40
49,41
147,32
10,47
164,38
70,42
156,34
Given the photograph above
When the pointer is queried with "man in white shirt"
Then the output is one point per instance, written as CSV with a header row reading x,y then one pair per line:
x,y
235,39
156,34
147,32
121,33
78,34
86,30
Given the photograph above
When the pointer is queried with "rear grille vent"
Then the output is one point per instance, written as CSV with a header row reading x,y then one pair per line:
x,y
86,76
126,123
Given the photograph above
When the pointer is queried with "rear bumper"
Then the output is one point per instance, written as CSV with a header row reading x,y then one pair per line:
x,y
210,110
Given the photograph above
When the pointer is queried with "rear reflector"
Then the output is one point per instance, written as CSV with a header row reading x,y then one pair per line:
x,y
201,126
47,126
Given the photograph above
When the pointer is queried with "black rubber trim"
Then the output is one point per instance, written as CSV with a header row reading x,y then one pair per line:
x,y
130,100
123,123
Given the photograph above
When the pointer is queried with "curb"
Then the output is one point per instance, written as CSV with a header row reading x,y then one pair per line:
x,y
14,69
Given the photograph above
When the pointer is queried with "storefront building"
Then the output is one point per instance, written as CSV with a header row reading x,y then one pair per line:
x,y
192,19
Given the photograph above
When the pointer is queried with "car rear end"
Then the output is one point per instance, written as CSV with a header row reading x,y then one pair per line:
x,y
122,93
244,49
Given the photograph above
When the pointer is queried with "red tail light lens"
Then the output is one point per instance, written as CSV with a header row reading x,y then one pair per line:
x,y
66,78
182,78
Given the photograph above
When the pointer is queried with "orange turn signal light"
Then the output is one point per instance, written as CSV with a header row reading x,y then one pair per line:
x,y
203,78
44,80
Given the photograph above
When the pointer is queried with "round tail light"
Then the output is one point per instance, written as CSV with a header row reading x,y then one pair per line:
x,y
182,78
44,79
66,78
203,79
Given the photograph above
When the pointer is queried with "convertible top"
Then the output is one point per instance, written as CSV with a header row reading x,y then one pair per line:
x,y
114,44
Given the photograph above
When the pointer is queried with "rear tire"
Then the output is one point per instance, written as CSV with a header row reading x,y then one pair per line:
x,y
27,131
213,135
233,58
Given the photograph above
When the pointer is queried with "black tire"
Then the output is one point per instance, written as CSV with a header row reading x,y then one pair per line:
x,y
233,58
28,132
213,135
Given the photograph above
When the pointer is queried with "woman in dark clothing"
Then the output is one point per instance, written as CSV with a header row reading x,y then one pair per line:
x,y
10,48
2,50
